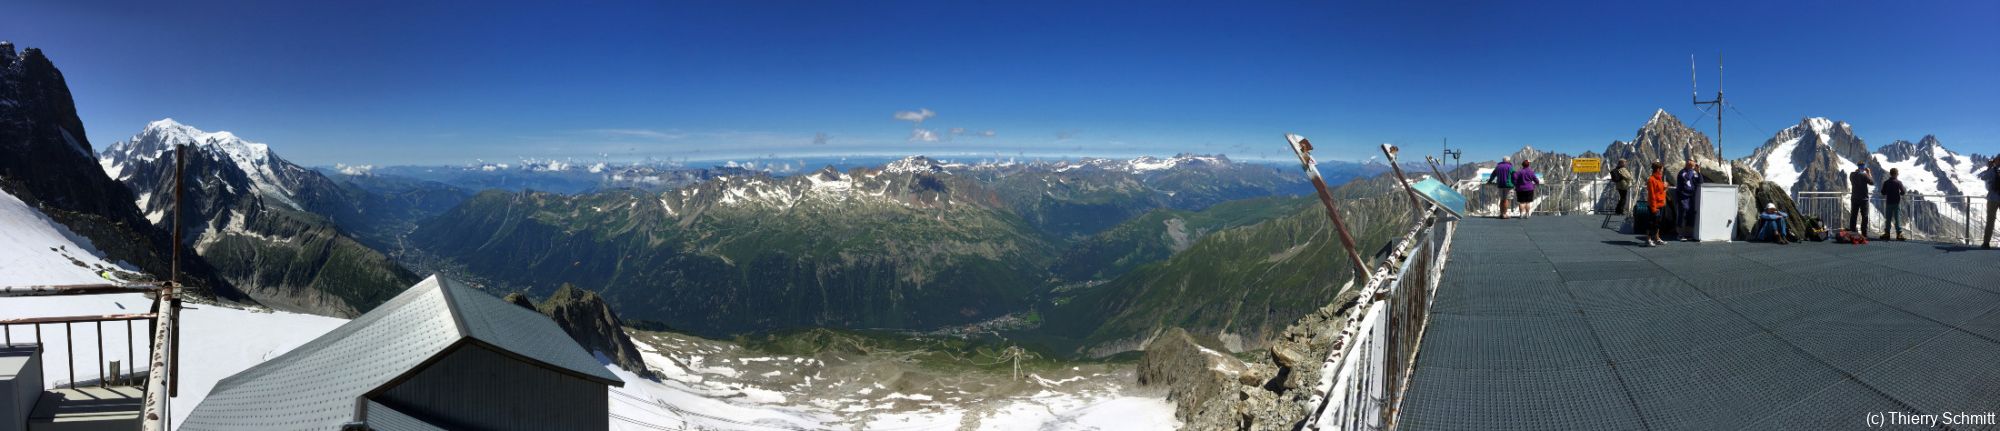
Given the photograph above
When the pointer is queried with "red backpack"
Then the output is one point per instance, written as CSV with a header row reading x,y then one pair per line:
x,y
1852,237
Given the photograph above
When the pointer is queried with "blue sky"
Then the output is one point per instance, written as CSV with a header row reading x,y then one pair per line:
x,y
418,82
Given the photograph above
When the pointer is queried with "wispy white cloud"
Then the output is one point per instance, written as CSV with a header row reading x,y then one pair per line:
x,y
917,116
923,135
821,138
638,133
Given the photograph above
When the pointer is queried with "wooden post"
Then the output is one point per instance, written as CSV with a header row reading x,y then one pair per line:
x,y
1303,149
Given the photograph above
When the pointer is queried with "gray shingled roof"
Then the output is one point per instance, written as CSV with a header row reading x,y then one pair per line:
x,y
317,385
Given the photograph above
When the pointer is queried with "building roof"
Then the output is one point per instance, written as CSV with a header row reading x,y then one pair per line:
x,y
322,384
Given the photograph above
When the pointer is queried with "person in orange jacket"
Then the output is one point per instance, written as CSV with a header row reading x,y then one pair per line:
x,y
1656,199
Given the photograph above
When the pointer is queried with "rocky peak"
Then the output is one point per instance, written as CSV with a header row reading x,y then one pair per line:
x,y
1662,139
1899,150
588,319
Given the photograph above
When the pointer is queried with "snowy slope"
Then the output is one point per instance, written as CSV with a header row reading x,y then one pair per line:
x,y
35,250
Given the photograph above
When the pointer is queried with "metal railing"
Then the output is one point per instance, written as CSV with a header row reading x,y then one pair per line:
x,y
1364,376
1941,218
1367,369
160,325
1558,197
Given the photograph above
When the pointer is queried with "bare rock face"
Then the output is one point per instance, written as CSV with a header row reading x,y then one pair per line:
x,y
1662,139
584,315
1192,372
1270,393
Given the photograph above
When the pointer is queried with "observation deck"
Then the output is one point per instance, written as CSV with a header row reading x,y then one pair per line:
x,y
1562,322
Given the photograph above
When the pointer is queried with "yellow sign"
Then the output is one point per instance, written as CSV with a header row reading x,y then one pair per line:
x,y
1586,166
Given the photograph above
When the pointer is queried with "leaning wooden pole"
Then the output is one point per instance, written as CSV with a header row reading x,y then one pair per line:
x,y
1303,148
174,281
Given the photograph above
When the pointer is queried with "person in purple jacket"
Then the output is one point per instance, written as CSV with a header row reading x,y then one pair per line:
x,y
1524,187
1503,176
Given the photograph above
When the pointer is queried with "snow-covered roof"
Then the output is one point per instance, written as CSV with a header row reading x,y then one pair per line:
x,y
320,384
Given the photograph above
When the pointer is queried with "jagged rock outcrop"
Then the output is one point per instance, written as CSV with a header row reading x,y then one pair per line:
x,y
1195,371
1269,393
589,320
48,163
1663,139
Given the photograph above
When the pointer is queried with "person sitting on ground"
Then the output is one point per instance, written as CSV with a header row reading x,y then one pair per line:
x,y
1892,198
1772,222
1656,199
1524,188
1503,176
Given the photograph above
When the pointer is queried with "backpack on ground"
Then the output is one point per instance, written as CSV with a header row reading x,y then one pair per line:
x,y
1815,231
1852,237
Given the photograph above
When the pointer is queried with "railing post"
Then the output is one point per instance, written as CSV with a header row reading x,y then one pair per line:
x,y
102,374
69,341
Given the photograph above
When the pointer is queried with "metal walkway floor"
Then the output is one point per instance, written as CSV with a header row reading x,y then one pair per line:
x,y
1563,323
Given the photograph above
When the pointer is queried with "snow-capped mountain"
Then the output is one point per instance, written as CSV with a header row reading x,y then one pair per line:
x,y
1817,155
1928,168
267,224
1814,155
245,170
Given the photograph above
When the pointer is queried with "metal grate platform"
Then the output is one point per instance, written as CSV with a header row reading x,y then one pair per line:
x,y
1564,323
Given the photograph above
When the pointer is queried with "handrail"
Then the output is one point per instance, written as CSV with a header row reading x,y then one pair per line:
x,y
1368,368
76,289
76,319
1367,371
158,402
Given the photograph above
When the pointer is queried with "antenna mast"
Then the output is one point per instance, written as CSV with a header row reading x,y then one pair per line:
x,y
1718,103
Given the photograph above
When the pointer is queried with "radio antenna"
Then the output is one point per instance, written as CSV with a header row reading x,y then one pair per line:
x,y
1718,102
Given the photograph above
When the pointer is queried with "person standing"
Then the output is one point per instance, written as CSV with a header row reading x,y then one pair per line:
x,y
1524,188
1689,182
1656,200
1892,199
1992,177
1621,179
1503,176
1857,207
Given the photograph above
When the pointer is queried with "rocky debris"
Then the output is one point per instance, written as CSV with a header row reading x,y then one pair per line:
x,y
1269,393
588,319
